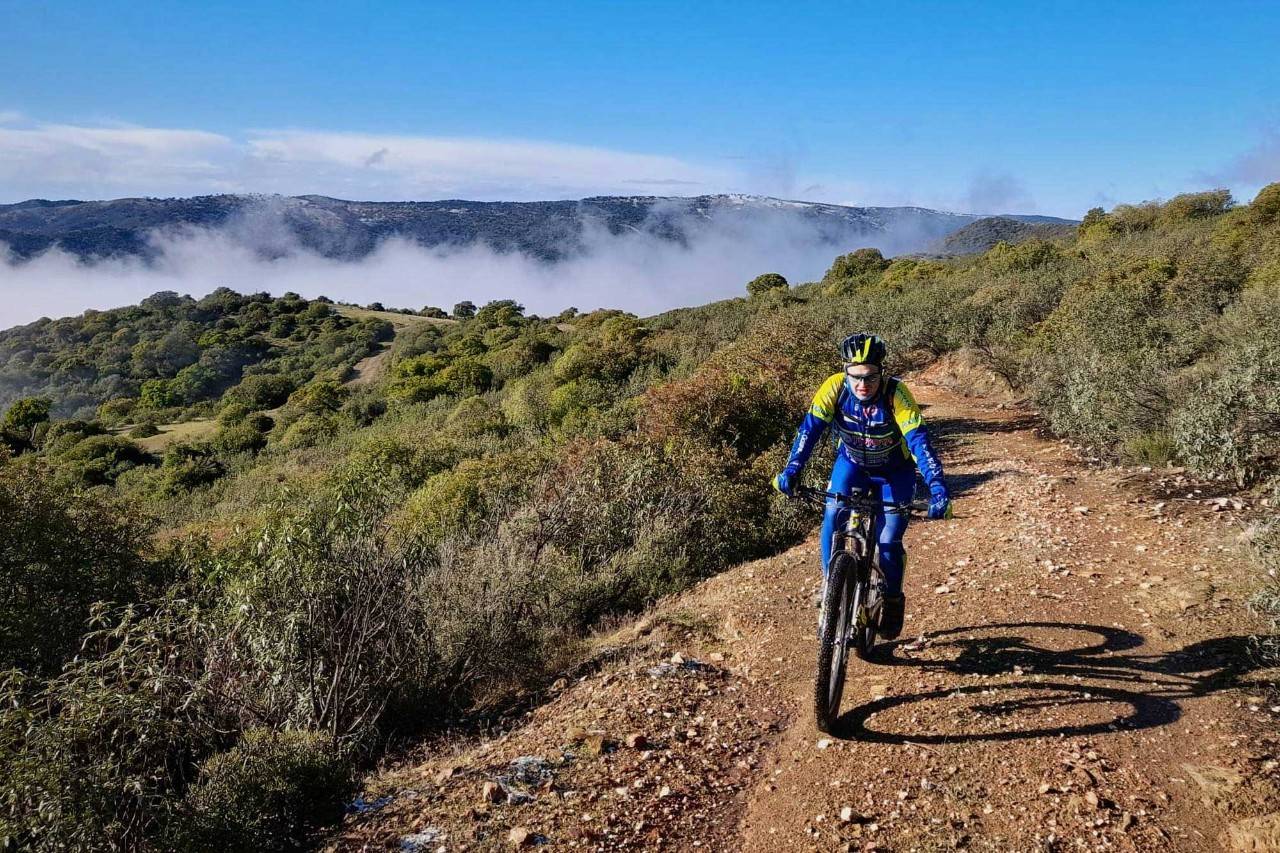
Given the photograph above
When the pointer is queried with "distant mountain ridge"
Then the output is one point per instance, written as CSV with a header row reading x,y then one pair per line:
x,y
548,230
981,235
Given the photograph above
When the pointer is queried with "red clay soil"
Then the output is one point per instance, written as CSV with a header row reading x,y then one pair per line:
x,y
1075,675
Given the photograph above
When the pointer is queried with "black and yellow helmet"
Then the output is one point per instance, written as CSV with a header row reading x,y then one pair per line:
x,y
862,348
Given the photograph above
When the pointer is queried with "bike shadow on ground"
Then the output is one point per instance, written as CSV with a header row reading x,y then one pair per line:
x,y
1106,684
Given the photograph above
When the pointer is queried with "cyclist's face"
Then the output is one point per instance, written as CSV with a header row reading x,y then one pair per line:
x,y
864,380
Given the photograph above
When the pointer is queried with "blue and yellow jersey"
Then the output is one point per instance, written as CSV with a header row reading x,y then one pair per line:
x,y
883,433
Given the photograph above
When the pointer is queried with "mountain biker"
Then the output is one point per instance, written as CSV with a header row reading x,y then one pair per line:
x,y
880,433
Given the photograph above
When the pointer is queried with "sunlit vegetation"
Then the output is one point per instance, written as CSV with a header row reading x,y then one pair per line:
x,y
238,571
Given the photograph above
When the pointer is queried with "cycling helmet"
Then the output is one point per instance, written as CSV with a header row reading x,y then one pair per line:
x,y
862,348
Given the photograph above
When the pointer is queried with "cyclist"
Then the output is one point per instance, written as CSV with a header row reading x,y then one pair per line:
x,y
880,432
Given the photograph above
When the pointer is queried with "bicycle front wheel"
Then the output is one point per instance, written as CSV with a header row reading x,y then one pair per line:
x,y
837,610
866,612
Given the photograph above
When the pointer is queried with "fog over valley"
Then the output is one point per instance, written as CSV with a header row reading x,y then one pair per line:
x,y
643,255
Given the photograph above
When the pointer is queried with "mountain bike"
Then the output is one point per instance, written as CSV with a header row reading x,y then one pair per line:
x,y
852,595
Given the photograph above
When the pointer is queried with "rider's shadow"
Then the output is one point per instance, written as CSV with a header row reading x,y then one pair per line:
x,y
1095,683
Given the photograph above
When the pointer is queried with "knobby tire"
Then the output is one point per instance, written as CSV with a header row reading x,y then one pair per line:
x,y
837,610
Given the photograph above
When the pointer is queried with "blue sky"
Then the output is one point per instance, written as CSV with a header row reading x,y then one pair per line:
x,y
1046,107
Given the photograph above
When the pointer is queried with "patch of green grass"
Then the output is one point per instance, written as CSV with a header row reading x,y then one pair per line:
x,y
171,433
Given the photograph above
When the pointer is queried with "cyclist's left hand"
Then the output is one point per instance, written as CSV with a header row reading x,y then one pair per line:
x,y
939,503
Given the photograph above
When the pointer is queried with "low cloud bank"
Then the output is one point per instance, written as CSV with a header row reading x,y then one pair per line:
x,y
637,272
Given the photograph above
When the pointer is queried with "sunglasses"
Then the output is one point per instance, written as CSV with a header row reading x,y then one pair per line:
x,y
863,378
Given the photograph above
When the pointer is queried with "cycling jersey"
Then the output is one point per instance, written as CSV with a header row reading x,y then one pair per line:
x,y
883,434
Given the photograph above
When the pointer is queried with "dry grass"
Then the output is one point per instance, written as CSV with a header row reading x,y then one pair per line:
x,y
400,321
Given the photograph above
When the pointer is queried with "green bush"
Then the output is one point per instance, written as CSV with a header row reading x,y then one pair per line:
x,y
261,391
188,466
272,792
64,550
96,758
239,438
100,459
762,284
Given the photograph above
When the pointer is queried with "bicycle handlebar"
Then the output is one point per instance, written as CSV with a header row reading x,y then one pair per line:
x,y
862,500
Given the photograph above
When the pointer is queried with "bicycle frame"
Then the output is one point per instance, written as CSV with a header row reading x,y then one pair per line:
x,y
850,590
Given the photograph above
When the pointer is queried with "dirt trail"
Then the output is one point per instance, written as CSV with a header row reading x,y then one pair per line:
x,y
1074,675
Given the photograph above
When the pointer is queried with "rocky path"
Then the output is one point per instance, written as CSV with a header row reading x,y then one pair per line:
x,y
1075,675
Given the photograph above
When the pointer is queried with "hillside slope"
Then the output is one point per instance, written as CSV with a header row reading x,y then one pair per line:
x,y
1075,674
549,230
979,236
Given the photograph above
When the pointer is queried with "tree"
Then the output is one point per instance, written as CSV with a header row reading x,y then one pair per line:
x,y
434,312
762,284
464,310
857,263
24,416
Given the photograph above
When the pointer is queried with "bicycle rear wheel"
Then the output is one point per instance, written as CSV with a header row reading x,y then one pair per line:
x,y
837,611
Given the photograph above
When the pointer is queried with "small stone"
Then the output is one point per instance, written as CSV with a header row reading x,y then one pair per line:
x,y
824,743
636,740
665,791
1046,788
575,734
846,814
559,684
677,659
520,837
1126,822
1091,797
444,774
716,657
595,744
491,792
942,589
1080,510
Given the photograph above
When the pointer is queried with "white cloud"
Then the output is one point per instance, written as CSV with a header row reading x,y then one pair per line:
x,y
996,192
57,160
76,161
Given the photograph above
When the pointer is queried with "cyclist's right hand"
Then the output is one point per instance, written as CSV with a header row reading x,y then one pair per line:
x,y
784,482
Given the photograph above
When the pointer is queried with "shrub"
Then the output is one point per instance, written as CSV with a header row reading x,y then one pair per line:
x,y
238,438
323,631
95,759
146,429
100,459
310,430
318,397
188,466
64,550
233,413
271,792
856,264
1200,205
261,391
762,284
1265,207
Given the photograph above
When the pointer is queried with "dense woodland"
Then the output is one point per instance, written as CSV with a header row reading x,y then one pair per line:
x,y
231,577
